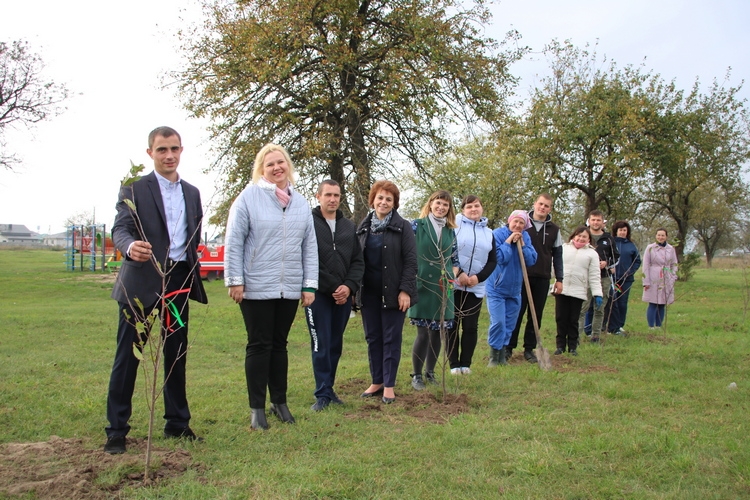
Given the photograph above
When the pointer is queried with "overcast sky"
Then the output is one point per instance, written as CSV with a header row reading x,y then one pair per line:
x,y
112,56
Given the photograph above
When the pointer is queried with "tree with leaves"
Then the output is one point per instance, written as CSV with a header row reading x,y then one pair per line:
x,y
700,143
584,127
718,218
26,96
352,89
484,166
80,218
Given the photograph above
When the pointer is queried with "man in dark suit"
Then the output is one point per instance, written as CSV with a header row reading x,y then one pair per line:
x,y
164,228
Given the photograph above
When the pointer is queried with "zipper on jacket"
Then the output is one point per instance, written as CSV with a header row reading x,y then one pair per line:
x,y
283,249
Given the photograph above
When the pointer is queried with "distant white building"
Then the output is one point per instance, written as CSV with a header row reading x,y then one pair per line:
x,y
55,240
18,234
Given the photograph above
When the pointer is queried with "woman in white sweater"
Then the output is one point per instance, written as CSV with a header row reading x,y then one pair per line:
x,y
581,273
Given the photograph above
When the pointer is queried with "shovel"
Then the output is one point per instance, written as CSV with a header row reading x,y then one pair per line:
x,y
542,354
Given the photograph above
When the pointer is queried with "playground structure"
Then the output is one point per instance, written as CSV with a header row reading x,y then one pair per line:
x,y
212,261
87,247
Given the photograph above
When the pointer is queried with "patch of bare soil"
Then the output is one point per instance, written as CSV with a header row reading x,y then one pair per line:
x,y
64,468
423,405
659,338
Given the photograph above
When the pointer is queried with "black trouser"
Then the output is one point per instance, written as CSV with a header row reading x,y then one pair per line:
x,y
266,359
539,292
125,368
383,333
467,306
567,312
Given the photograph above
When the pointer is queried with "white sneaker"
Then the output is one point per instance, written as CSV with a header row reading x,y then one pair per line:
x,y
455,371
466,370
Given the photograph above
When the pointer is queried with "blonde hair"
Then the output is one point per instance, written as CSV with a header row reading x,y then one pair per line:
x,y
261,157
450,218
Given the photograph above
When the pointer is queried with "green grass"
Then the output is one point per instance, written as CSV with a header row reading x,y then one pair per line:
x,y
647,416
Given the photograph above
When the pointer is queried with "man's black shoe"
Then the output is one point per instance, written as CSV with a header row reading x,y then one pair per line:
x,y
529,356
186,433
115,445
320,404
336,400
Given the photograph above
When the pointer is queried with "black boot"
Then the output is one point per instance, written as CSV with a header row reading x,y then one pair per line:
x,y
282,411
501,357
258,419
494,358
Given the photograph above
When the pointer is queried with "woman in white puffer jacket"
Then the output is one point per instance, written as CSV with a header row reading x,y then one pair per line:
x,y
270,267
581,273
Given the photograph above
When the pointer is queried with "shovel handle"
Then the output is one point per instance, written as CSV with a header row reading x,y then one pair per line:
x,y
528,293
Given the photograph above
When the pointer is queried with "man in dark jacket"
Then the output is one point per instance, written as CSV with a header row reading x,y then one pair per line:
x,y
605,246
158,222
341,268
545,237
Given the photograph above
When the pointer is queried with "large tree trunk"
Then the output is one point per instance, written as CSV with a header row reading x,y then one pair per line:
x,y
362,181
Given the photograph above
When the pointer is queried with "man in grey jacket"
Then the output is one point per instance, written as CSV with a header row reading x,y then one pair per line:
x,y
341,266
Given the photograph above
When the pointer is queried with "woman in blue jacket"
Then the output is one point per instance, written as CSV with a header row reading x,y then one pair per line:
x,y
629,263
477,259
506,282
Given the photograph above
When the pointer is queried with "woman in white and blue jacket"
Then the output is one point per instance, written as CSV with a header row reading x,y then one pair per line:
x,y
506,282
270,266
477,260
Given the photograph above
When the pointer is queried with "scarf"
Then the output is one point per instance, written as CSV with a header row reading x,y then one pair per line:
x,y
578,244
283,196
377,225
438,223
521,214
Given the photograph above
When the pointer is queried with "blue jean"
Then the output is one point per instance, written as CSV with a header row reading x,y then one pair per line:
x,y
619,307
503,316
655,314
326,322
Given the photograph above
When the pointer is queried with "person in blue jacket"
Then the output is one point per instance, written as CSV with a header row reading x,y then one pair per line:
x,y
629,263
506,282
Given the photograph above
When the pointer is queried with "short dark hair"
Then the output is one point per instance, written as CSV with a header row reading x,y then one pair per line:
x,y
621,223
596,213
387,186
579,230
470,198
164,132
327,182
